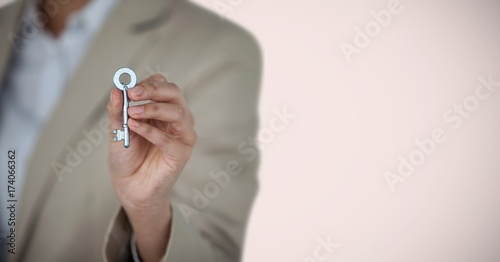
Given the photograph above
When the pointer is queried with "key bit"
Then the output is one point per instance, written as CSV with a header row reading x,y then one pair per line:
x,y
124,134
120,135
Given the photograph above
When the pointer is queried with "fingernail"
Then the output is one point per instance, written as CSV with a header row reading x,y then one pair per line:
x,y
134,123
137,90
137,109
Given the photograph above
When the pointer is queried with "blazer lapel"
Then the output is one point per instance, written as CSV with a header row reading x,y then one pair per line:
x,y
9,21
118,44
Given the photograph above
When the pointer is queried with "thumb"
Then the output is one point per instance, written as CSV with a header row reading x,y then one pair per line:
x,y
114,108
121,160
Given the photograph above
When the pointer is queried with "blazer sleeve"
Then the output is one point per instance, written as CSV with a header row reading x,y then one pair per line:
x,y
212,198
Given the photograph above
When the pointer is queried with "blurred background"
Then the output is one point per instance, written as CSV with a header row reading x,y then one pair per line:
x,y
354,90
323,175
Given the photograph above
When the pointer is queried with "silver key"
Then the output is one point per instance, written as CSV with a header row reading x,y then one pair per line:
x,y
124,134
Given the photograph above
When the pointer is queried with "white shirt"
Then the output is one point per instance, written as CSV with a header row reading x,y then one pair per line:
x,y
35,82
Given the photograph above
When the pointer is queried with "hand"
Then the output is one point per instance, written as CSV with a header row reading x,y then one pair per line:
x,y
161,139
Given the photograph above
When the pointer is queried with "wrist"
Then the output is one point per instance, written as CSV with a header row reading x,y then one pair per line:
x,y
146,214
142,201
152,232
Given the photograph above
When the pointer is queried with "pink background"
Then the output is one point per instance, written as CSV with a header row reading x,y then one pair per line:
x,y
323,175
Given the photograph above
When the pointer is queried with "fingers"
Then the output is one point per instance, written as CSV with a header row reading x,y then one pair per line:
x,y
167,143
114,108
156,88
159,111
176,116
168,106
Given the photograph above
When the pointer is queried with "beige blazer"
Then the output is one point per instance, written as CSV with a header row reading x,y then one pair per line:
x,y
68,210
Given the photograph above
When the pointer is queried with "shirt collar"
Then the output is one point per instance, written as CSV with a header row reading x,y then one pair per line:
x,y
89,18
92,16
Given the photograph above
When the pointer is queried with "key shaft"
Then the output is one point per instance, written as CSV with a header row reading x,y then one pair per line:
x,y
126,142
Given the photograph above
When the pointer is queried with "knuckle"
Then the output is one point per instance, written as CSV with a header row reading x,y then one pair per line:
x,y
148,86
148,130
178,127
153,109
179,112
165,140
156,84
143,84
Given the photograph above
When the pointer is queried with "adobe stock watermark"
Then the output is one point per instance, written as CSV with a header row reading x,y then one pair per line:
x,y
454,117
222,178
32,23
76,155
224,7
364,36
323,251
